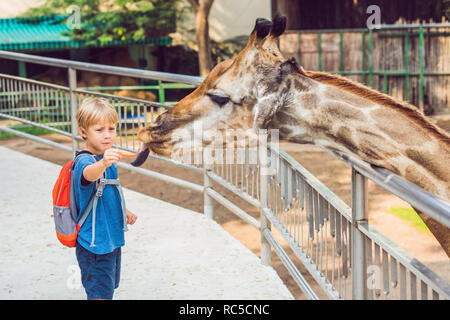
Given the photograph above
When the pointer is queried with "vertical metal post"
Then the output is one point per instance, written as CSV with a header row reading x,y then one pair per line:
x,y
73,107
208,204
406,65
161,93
299,55
319,39
358,254
363,56
421,68
341,52
264,183
22,69
370,59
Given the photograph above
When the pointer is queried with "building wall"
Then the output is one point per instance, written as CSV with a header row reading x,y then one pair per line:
x,y
228,19
233,18
332,14
14,8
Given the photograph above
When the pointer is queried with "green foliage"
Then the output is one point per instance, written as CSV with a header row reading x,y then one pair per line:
x,y
221,51
105,21
411,216
446,8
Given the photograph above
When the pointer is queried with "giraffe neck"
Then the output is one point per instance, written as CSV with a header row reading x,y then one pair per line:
x,y
378,134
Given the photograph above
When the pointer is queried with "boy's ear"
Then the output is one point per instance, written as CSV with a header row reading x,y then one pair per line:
x,y
83,133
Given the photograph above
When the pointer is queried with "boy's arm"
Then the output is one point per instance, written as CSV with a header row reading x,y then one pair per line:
x,y
94,171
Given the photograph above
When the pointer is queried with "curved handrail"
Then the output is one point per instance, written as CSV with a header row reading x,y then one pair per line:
x,y
422,200
94,67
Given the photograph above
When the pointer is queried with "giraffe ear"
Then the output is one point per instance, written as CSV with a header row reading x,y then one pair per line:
x,y
260,31
279,25
287,67
262,27
291,65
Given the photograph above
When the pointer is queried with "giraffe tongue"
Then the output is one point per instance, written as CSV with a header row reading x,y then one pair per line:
x,y
141,157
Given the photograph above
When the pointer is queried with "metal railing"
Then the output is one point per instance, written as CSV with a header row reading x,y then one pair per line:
x,y
346,256
159,88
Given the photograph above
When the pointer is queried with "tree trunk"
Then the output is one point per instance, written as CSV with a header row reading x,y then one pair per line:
x,y
202,32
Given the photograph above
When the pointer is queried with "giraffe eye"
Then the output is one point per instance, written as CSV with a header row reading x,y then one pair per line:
x,y
219,99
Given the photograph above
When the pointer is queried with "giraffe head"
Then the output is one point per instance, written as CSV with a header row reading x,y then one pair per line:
x,y
240,94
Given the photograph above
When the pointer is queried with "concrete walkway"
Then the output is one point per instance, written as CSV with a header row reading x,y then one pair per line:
x,y
170,253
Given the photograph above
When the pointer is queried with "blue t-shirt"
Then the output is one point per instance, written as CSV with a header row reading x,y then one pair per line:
x,y
109,233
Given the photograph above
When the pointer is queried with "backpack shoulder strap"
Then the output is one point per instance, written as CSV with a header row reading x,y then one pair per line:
x,y
78,153
88,208
116,183
73,204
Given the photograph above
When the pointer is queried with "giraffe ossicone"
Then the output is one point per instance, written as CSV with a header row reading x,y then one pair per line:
x,y
260,89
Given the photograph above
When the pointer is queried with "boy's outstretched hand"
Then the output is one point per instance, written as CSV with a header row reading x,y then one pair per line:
x,y
111,156
131,217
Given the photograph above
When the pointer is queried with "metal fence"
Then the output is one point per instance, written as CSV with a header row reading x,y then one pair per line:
x,y
159,88
345,255
405,60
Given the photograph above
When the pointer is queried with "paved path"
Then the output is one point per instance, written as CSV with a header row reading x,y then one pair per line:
x,y
170,253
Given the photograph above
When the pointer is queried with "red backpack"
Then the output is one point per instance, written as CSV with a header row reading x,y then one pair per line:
x,y
65,211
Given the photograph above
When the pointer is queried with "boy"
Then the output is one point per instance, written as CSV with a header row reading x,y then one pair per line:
x,y
98,247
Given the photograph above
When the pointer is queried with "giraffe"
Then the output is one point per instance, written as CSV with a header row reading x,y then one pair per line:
x,y
260,89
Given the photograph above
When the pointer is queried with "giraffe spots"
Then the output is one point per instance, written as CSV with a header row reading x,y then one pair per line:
x,y
433,163
373,150
341,111
384,101
332,93
375,146
286,118
284,123
370,134
308,100
344,137
331,114
399,128
302,84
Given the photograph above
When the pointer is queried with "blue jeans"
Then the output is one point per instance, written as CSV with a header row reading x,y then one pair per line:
x,y
100,273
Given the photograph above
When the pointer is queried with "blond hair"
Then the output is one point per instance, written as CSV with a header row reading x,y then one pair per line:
x,y
93,110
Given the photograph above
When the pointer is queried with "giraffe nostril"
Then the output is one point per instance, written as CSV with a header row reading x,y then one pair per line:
x,y
144,135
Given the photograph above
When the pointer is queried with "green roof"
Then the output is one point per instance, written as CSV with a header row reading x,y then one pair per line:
x,y
44,33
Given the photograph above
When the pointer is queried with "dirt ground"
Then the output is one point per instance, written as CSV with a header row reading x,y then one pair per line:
x,y
331,171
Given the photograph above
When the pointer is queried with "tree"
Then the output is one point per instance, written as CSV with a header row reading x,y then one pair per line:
x,y
202,9
103,21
